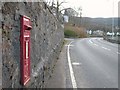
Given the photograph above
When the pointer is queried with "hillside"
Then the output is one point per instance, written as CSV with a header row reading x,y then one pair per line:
x,y
94,23
107,21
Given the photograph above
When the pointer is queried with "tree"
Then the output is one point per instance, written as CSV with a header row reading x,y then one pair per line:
x,y
70,12
56,6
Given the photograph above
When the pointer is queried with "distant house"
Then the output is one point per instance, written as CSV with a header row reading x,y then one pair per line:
x,y
89,32
66,18
98,32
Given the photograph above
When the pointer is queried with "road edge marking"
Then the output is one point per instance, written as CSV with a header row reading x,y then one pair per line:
x,y
70,67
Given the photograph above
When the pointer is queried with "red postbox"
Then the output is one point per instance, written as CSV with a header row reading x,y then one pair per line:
x,y
25,49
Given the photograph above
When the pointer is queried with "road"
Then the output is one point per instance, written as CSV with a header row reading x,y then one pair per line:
x,y
92,63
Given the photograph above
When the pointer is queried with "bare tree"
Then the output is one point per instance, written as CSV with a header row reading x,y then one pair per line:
x,y
56,6
70,12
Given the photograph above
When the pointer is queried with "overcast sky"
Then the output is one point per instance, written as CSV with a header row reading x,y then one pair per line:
x,y
95,8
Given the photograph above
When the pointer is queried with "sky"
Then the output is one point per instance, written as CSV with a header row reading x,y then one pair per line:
x,y
94,8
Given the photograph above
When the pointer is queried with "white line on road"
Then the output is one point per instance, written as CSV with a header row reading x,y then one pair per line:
x,y
76,63
95,44
69,45
70,67
90,41
118,53
106,48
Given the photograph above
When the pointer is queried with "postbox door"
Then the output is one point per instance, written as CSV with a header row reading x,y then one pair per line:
x,y
25,49
26,59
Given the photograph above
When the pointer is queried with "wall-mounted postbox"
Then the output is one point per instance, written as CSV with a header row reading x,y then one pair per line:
x,y
25,49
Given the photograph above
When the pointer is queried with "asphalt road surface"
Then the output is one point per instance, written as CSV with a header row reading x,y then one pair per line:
x,y
93,63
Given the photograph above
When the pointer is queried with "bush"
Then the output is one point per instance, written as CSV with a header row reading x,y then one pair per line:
x,y
74,31
69,33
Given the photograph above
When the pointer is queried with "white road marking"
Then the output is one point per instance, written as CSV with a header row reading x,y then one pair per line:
x,y
70,68
118,53
106,48
95,44
69,45
112,44
90,41
76,63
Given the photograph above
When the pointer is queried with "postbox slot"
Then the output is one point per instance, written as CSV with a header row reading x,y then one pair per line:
x,y
27,27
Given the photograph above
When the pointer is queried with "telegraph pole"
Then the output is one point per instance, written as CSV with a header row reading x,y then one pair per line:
x,y
113,21
80,12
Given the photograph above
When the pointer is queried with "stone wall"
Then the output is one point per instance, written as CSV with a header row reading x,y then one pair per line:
x,y
0,49
46,41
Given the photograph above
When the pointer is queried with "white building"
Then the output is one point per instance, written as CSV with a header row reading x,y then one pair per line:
x,y
66,18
